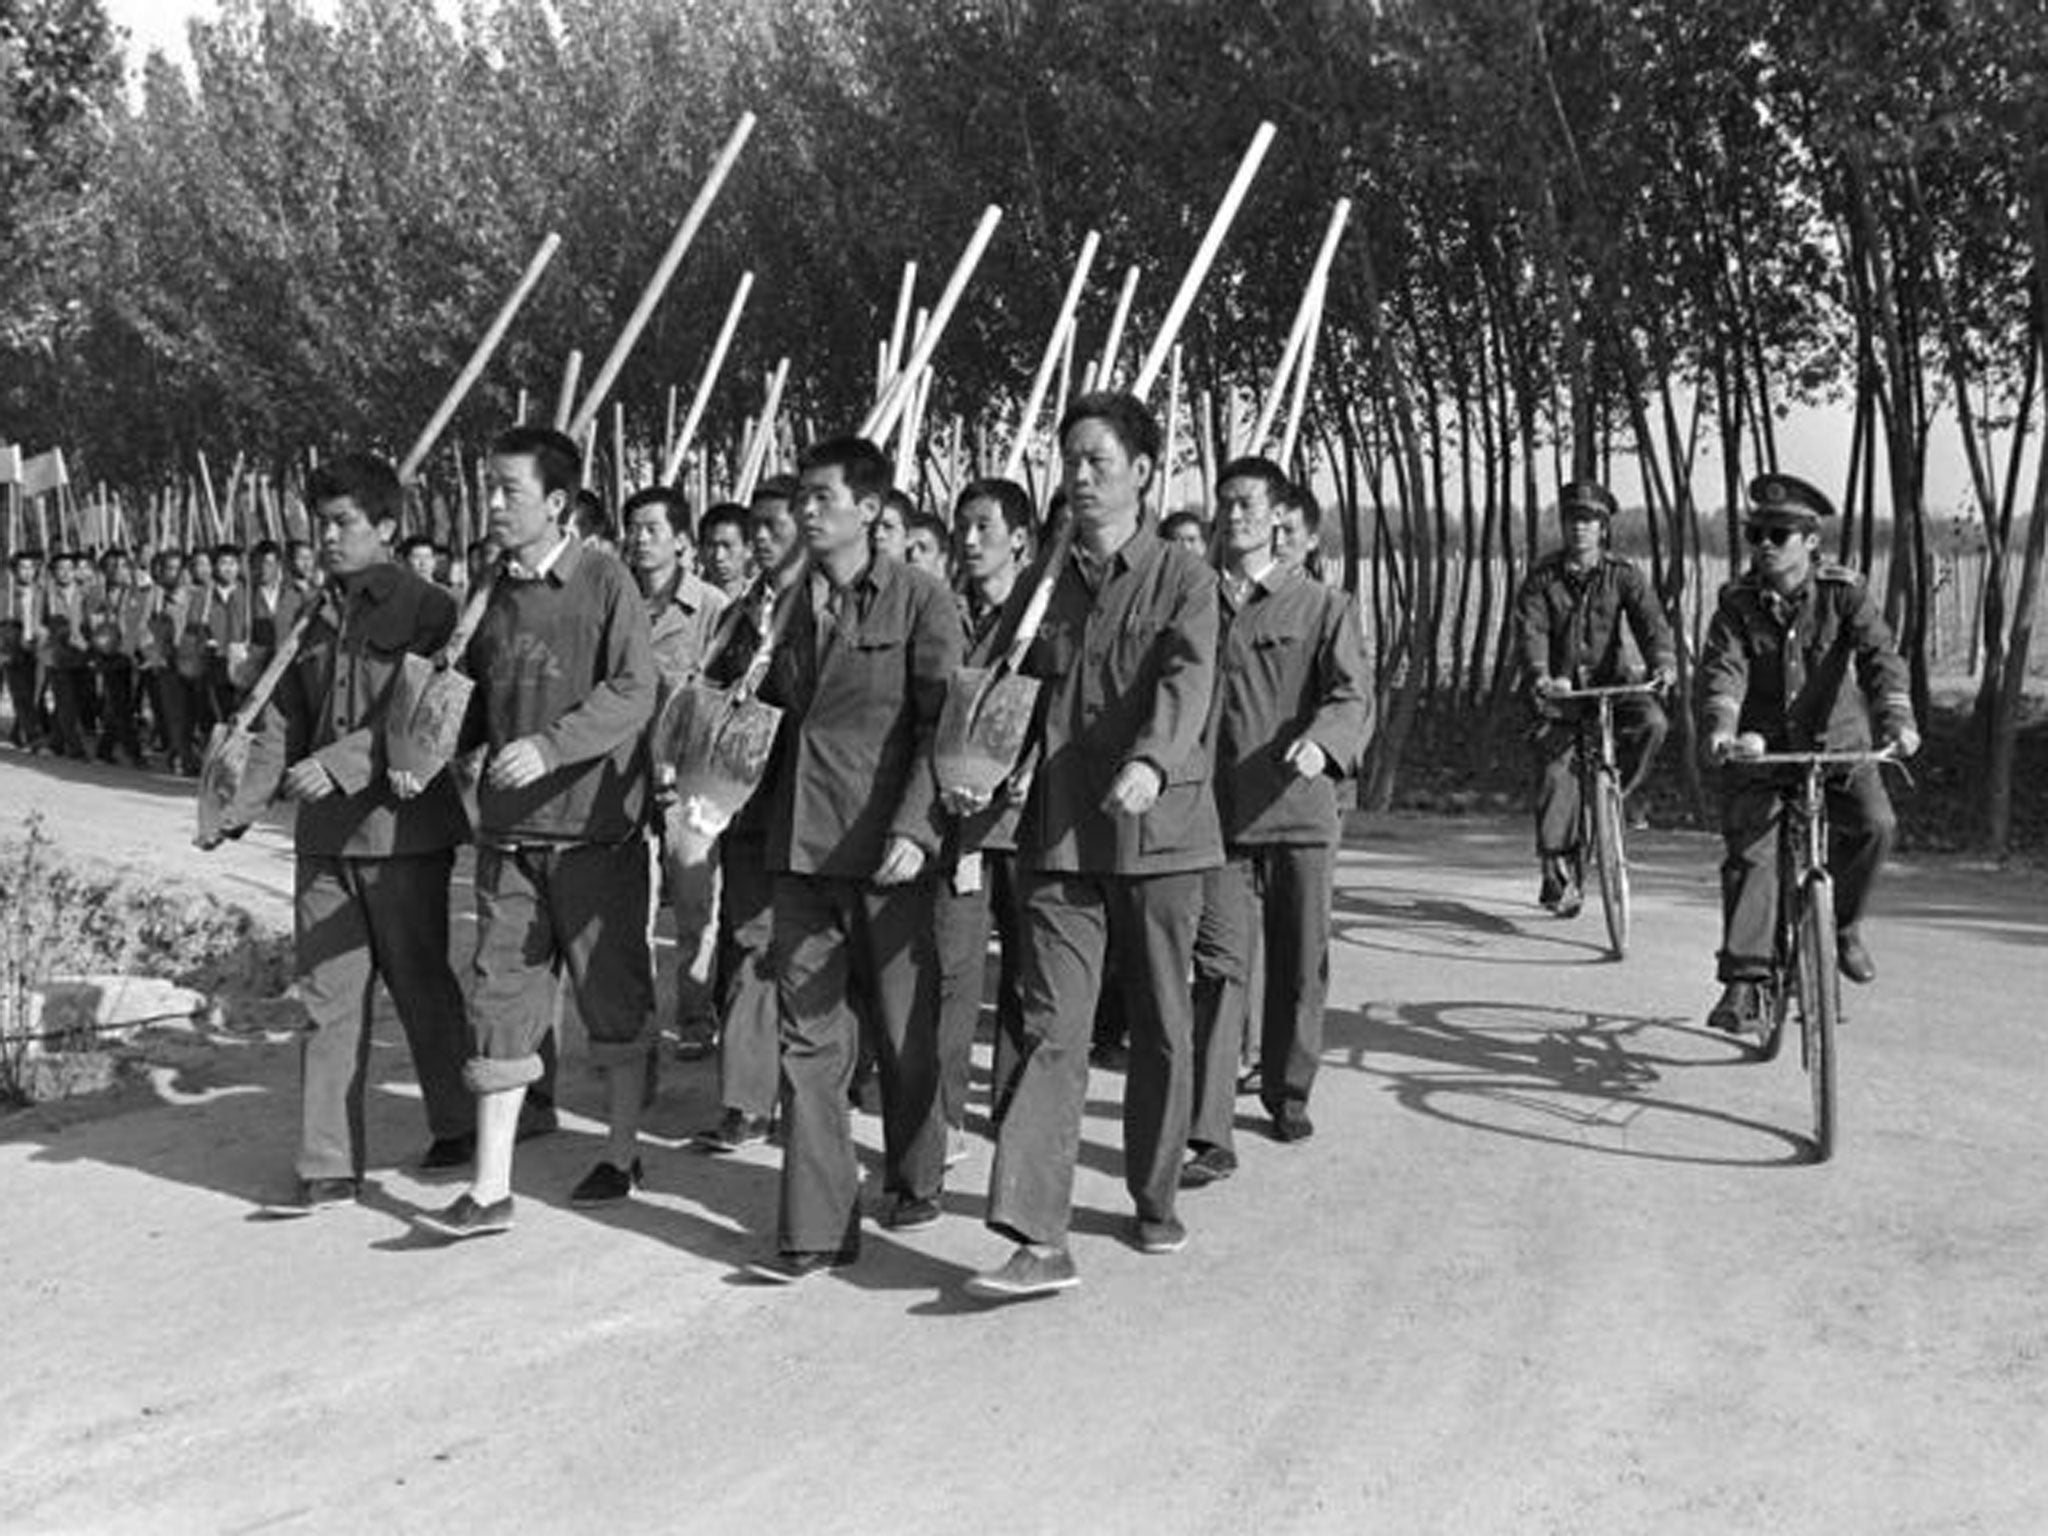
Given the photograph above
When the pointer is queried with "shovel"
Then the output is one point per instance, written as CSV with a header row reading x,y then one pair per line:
x,y
987,712
719,740
241,771
430,696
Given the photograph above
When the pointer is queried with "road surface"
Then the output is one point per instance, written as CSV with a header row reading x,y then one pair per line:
x,y
1554,1263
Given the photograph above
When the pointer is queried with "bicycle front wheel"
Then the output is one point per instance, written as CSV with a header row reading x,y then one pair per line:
x,y
1612,861
1820,1006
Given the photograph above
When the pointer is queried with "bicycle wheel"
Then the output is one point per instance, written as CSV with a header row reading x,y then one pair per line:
x,y
1820,1003
1611,858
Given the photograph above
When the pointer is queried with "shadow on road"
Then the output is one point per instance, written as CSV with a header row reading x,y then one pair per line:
x,y
1592,1082
1425,925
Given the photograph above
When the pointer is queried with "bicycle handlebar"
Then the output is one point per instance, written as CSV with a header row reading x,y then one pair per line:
x,y
1813,759
1609,691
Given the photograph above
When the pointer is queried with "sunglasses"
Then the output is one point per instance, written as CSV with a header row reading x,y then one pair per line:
x,y
1756,533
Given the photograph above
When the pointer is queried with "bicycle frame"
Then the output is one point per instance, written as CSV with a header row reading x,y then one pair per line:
x,y
1597,768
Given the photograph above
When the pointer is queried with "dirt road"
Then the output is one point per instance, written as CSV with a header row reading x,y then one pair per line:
x,y
1552,1265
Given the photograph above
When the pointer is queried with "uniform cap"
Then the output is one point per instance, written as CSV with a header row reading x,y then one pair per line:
x,y
1787,499
1585,498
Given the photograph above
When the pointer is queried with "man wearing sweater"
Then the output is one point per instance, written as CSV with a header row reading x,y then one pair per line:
x,y
565,683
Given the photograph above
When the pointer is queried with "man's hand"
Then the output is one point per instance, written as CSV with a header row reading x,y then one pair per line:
x,y
1548,687
1721,746
405,784
308,780
902,862
964,801
1307,759
518,764
1017,787
1904,742
1135,790
1664,679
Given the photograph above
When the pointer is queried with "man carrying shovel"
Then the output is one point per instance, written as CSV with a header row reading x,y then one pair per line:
x,y
370,897
565,684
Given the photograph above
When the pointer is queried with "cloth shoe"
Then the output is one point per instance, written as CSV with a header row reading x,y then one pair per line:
x,y
1033,1270
1853,958
1740,1010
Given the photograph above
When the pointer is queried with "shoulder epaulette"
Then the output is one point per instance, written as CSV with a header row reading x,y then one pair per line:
x,y
1830,570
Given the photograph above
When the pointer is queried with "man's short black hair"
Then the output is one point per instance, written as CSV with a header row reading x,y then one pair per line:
x,y
776,488
1124,414
226,551
863,466
1256,466
587,512
1303,500
1173,522
931,523
264,547
370,482
416,541
673,503
1008,495
556,458
720,513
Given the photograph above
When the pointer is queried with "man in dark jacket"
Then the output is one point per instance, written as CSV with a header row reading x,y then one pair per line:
x,y
1293,706
1569,616
854,834
370,891
1119,823
1798,658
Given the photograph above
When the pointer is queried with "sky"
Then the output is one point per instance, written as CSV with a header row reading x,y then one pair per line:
x,y
1812,443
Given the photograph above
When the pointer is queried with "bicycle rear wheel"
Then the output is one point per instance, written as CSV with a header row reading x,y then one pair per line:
x,y
1820,1006
1612,860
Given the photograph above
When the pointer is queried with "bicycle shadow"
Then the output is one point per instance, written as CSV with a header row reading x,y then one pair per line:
x,y
1424,926
1583,1080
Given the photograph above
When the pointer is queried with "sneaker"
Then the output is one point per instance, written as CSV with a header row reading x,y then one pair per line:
x,y
1033,1270
1291,1123
735,1129
959,1145
466,1218
907,1213
1853,958
1165,1235
447,1154
314,1196
606,1184
1740,1011
794,1268
1211,1165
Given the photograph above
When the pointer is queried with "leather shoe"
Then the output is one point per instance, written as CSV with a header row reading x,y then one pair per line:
x,y
1033,1270
314,1196
735,1129
606,1184
1740,1011
908,1213
1291,1123
466,1218
1853,957
1210,1165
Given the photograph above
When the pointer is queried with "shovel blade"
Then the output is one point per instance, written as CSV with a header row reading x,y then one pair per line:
x,y
238,777
720,746
982,727
425,716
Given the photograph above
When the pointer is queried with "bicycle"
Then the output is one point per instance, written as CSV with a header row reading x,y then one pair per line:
x,y
1601,821
1803,964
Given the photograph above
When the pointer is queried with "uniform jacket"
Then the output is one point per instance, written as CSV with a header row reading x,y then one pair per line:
x,y
1292,664
565,658
855,762
681,619
1129,669
331,704
1570,624
1804,672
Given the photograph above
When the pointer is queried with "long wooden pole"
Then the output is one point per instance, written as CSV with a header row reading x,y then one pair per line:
x,y
1297,333
565,401
899,329
1049,360
764,433
1297,406
1171,446
687,433
892,404
480,359
1105,369
1205,255
666,270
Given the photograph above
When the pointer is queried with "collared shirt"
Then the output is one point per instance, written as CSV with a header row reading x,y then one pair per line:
x,y
543,567
681,619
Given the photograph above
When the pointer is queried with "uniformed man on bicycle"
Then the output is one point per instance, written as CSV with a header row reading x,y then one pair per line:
x,y
1798,658
1569,615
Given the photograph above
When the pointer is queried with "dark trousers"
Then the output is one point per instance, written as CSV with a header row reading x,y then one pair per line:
x,y
831,936
1277,895
750,1029
171,696
69,705
118,726
1639,729
961,921
21,697
357,921
1861,828
583,908
1069,923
